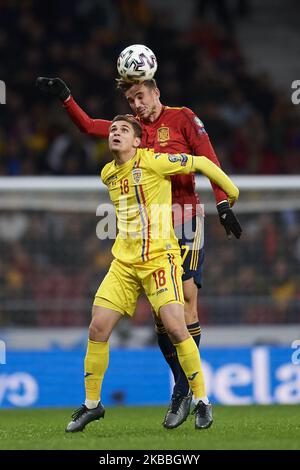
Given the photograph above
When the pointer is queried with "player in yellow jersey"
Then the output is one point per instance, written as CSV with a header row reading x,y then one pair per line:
x,y
147,258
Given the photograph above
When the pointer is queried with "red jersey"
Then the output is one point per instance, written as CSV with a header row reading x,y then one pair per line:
x,y
176,130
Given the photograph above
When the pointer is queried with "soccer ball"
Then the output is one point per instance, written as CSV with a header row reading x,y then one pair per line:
x,y
137,63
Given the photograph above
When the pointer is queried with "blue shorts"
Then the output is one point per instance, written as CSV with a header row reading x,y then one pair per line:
x,y
191,240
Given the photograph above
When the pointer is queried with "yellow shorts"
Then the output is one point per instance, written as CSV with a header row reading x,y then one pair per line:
x,y
159,278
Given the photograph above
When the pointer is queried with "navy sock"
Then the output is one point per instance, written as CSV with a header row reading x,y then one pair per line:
x,y
169,351
170,354
195,332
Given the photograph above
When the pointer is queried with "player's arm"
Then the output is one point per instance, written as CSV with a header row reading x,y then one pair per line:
x,y
216,175
57,87
200,144
198,140
167,165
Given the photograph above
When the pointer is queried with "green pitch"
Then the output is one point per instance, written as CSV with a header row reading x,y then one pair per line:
x,y
253,427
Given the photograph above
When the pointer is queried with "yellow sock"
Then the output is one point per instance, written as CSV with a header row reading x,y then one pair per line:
x,y
95,365
189,358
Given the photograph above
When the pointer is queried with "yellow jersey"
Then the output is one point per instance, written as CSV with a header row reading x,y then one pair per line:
x,y
140,190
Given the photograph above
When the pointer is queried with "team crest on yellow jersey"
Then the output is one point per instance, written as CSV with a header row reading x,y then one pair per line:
x,y
163,135
137,175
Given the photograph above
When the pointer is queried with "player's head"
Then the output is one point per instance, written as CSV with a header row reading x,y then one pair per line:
x,y
143,98
124,134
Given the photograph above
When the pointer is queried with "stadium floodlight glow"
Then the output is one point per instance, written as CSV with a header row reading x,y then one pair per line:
x,y
82,194
92,183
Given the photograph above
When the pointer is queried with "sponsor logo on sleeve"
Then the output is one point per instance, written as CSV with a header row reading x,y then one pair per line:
x,y
198,122
199,125
174,158
184,159
111,181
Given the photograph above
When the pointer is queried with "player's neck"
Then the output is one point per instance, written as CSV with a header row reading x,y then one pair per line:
x,y
124,157
155,114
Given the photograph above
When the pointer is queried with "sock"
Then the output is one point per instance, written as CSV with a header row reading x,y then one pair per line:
x,y
181,383
169,351
195,332
95,365
205,400
189,358
90,404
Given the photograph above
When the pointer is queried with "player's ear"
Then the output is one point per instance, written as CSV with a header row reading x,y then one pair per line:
x,y
137,142
157,92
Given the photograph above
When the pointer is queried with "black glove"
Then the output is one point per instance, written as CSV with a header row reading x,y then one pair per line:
x,y
229,220
53,86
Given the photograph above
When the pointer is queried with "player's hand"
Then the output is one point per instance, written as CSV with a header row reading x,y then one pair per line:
x,y
54,87
229,220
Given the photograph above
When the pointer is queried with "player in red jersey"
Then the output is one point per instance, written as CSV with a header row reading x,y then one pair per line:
x,y
171,130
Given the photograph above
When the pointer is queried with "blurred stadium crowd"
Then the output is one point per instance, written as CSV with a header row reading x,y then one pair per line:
x,y
253,127
51,263
51,270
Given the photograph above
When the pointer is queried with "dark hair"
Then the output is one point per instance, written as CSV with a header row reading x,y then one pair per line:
x,y
137,128
124,86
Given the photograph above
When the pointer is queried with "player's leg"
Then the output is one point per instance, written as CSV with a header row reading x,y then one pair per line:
x,y
95,365
191,242
172,316
192,252
116,296
166,346
190,291
163,287
97,355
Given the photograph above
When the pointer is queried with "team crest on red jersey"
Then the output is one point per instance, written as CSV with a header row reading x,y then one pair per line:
x,y
137,175
163,135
